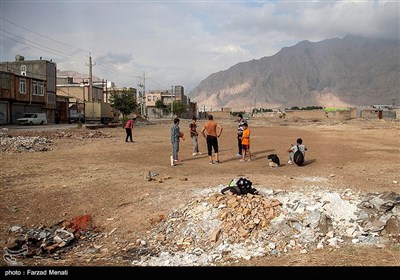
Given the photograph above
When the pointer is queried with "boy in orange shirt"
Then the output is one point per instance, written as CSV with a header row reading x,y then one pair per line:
x,y
246,143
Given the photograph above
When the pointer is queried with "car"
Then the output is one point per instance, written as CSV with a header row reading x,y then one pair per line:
x,y
75,118
32,118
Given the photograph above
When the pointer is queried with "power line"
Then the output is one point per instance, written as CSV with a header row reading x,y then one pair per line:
x,y
42,35
52,50
61,54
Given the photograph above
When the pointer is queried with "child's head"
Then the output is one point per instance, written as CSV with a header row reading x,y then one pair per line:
x,y
210,117
299,141
176,121
194,119
245,126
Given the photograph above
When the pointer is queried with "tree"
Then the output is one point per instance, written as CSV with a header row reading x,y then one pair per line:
x,y
179,108
160,106
123,101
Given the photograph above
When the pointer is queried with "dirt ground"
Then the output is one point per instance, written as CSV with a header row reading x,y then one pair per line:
x,y
106,178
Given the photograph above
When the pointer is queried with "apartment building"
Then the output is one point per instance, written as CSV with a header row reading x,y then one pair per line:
x,y
168,97
27,86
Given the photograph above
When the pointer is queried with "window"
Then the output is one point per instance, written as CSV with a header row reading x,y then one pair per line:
x,y
22,86
34,88
5,81
41,89
23,70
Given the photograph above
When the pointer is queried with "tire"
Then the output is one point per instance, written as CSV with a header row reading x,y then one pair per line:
x,y
31,123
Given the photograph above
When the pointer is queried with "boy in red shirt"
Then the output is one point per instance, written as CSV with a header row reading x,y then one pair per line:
x,y
128,129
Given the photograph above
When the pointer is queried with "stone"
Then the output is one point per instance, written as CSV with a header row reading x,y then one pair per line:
x,y
215,235
392,226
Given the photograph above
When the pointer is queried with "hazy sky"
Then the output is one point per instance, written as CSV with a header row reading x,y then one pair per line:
x,y
178,42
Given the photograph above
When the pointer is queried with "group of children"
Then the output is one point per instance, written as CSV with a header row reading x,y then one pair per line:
x,y
209,131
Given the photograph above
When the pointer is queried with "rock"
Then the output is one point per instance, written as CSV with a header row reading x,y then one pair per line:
x,y
392,226
160,237
215,235
330,234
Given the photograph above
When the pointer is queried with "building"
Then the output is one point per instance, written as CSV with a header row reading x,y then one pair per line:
x,y
168,97
27,86
78,93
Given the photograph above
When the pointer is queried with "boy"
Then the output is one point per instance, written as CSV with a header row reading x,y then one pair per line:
x,y
246,143
241,122
175,138
293,149
212,137
128,129
195,136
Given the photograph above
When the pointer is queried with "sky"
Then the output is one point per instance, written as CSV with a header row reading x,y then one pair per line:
x,y
165,43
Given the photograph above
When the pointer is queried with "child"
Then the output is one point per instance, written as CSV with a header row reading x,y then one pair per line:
x,y
293,149
195,136
211,127
128,129
246,143
175,138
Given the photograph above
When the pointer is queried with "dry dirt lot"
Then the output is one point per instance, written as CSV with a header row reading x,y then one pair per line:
x,y
104,177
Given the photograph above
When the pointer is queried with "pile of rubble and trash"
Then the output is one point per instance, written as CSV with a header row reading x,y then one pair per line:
x,y
223,228
39,141
20,144
42,241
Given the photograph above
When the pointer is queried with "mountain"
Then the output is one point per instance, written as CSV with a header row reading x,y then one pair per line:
x,y
352,71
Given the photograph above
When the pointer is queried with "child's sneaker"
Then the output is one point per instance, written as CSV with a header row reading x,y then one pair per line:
x,y
194,154
242,160
211,162
290,162
249,160
199,153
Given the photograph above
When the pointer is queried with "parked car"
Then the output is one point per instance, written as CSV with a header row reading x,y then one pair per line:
x,y
32,118
76,118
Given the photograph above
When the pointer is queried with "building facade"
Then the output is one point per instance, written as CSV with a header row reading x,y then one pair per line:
x,y
27,87
168,97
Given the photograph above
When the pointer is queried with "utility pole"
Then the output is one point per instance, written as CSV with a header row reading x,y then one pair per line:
x,y
172,102
144,93
142,85
91,96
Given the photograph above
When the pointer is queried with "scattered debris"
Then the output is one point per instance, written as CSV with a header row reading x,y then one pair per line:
x,y
221,228
47,241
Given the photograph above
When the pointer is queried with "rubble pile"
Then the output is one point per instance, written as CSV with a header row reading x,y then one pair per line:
x,y
21,144
58,134
82,134
39,141
45,241
224,228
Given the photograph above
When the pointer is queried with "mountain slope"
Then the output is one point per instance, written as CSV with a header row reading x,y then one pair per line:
x,y
334,72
